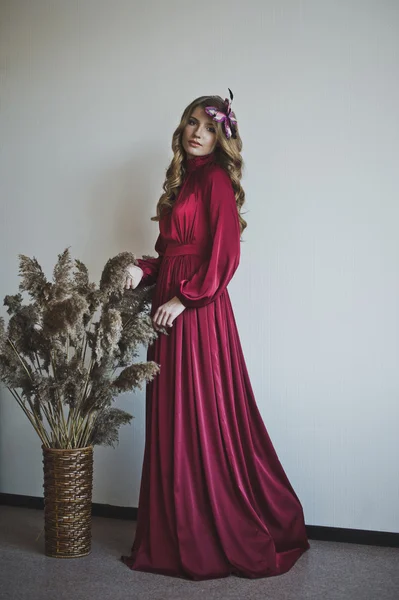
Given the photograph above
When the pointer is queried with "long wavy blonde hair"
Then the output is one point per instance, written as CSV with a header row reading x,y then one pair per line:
x,y
227,155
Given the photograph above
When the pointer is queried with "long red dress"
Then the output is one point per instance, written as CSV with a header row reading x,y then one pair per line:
x,y
214,498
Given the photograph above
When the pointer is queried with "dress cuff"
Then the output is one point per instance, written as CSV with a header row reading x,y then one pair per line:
x,y
180,295
147,271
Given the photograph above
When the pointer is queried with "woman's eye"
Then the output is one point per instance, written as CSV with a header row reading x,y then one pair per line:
x,y
193,122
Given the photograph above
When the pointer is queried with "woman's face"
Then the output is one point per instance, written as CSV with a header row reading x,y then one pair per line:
x,y
201,129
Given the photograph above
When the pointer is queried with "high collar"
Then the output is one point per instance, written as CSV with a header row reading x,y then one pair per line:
x,y
192,164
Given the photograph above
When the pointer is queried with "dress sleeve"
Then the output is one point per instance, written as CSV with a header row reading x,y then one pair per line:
x,y
151,265
212,277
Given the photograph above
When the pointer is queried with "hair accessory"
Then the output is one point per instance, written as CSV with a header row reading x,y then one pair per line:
x,y
226,116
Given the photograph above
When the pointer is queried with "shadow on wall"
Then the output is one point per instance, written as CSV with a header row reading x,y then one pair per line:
x,y
120,205
117,203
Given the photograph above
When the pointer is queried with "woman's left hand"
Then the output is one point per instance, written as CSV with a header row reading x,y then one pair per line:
x,y
167,313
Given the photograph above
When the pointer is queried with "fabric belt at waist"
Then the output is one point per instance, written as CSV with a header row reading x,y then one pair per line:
x,y
180,249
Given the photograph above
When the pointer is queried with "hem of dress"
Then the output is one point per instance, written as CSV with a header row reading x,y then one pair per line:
x,y
285,566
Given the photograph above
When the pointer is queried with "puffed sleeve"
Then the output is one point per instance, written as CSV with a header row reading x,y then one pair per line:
x,y
151,265
211,279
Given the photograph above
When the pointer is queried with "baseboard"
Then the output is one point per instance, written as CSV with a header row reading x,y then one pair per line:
x,y
314,532
98,510
352,536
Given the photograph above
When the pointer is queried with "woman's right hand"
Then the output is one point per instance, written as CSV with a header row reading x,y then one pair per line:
x,y
134,275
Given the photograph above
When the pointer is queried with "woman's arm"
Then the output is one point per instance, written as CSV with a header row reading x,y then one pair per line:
x,y
211,279
150,266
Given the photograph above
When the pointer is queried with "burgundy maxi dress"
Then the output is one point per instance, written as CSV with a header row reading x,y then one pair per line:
x,y
214,498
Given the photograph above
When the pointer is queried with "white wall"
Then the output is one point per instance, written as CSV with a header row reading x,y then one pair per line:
x,y
91,92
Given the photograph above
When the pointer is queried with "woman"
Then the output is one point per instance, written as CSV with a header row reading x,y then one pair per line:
x,y
214,498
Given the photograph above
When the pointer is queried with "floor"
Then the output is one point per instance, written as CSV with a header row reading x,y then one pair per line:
x,y
328,571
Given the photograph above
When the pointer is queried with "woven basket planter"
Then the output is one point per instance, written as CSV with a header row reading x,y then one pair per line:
x,y
68,486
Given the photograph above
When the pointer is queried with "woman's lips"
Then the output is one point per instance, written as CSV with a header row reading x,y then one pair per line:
x,y
192,143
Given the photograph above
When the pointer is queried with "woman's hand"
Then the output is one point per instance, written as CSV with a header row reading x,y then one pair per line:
x,y
167,313
133,276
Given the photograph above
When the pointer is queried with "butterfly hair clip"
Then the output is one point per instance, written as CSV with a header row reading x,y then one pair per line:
x,y
226,116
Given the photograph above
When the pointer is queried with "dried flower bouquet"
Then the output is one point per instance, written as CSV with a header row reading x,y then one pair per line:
x,y
63,367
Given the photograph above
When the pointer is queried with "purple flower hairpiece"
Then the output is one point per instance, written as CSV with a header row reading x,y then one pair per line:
x,y
225,116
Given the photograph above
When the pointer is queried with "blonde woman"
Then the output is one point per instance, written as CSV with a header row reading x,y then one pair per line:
x,y
214,498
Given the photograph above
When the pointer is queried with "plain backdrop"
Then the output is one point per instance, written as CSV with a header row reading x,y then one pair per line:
x,y
91,92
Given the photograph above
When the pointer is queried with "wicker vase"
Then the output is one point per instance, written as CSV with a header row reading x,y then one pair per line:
x,y
68,486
